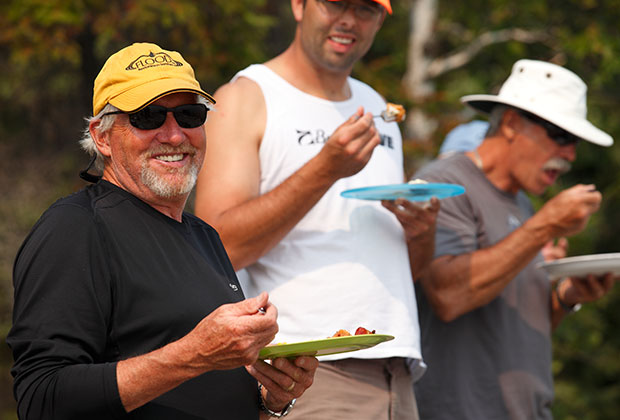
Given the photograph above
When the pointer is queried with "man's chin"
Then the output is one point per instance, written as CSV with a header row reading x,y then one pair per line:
x,y
539,189
169,186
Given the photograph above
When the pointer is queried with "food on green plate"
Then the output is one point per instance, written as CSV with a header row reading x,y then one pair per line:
x,y
362,330
341,333
359,331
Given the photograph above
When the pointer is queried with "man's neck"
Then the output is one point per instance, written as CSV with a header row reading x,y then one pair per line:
x,y
171,207
490,158
296,68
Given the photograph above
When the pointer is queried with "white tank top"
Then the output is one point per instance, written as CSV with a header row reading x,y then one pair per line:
x,y
346,263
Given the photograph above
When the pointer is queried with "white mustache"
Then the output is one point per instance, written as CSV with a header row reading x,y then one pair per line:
x,y
557,164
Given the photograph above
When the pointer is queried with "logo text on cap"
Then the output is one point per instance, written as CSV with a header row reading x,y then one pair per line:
x,y
152,60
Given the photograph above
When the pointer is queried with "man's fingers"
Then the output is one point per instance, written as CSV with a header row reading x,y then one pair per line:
x,y
271,377
356,116
369,144
563,243
588,194
257,305
608,281
358,113
307,363
593,287
433,204
363,130
410,210
353,135
601,285
417,219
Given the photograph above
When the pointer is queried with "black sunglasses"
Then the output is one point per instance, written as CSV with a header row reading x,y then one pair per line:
x,y
555,133
362,11
153,116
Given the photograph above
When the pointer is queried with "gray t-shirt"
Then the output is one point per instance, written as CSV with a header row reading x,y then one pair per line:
x,y
495,361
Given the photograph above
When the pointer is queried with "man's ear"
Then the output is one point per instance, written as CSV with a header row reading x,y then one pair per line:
x,y
298,7
102,141
382,17
509,125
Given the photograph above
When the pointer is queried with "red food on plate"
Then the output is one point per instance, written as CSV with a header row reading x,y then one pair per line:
x,y
362,330
359,331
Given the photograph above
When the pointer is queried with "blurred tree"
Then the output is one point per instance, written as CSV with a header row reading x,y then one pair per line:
x,y
55,49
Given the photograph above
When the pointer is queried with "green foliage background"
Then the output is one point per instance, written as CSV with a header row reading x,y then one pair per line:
x,y
51,51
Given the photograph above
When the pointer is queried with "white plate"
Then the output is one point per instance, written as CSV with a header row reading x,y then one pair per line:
x,y
583,265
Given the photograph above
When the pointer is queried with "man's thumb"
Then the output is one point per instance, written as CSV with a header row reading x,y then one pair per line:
x,y
257,303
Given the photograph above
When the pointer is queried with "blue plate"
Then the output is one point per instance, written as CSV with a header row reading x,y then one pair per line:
x,y
412,192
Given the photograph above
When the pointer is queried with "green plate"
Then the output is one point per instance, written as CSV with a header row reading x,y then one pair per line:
x,y
324,347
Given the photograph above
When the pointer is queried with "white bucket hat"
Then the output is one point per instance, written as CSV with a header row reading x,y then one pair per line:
x,y
548,91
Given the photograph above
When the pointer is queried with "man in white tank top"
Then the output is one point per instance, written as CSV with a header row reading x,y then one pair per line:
x,y
287,138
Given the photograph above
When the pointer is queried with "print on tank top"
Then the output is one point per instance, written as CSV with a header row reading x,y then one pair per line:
x,y
319,136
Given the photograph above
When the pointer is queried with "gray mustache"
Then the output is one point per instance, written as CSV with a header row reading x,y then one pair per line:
x,y
171,149
557,164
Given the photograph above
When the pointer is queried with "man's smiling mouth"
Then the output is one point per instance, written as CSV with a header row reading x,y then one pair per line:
x,y
341,40
170,158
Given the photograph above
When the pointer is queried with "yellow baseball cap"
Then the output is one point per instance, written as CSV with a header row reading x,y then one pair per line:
x,y
384,3
140,74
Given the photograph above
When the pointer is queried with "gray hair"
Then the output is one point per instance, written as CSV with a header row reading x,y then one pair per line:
x,y
88,143
495,118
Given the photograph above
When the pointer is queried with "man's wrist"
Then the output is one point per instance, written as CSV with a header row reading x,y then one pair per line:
x,y
263,407
565,306
537,230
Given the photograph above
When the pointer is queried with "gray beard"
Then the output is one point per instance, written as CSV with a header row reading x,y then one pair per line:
x,y
160,187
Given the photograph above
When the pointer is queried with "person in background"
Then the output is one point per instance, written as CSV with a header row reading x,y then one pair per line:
x,y
463,138
271,187
486,309
466,137
127,307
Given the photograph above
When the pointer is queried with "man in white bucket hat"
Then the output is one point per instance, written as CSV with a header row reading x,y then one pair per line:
x,y
486,309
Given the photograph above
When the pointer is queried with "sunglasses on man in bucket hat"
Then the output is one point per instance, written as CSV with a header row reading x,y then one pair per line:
x,y
560,136
548,95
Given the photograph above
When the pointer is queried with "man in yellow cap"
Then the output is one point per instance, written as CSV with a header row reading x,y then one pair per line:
x,y
289,136
125,306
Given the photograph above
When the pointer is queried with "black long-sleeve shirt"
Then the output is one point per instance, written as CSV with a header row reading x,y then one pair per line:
x,y
103,277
